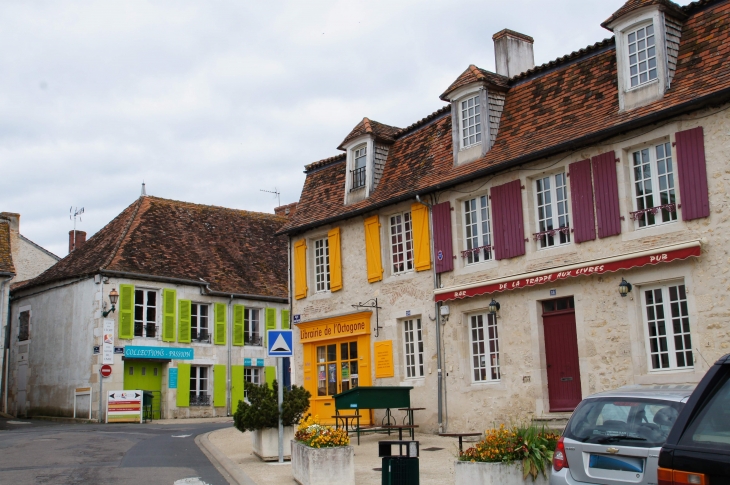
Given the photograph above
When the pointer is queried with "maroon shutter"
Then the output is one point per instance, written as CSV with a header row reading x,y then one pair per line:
x,y
581,195
692,173
509,230
607,211
442,243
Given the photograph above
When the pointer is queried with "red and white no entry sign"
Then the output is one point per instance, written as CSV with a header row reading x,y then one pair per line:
x,y
106,370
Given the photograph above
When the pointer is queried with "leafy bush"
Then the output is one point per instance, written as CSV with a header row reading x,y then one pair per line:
x,y
262,409
527,444
316,435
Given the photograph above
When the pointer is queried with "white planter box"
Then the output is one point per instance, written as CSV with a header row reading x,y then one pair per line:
x,y
266,443
323,466
494,474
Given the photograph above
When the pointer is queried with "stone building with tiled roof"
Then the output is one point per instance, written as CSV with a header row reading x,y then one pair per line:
x,y
197,287
552,232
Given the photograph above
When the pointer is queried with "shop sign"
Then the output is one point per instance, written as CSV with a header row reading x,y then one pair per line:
x,y
332,330
384,359
166,353
253,362
172,378
124,407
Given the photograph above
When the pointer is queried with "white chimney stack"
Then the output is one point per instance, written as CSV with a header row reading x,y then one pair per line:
x,y
513,52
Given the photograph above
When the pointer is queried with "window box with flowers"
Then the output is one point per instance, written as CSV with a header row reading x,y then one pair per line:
x,y
508,456
322,455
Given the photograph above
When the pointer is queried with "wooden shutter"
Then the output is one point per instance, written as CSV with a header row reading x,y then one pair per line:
x,y
442,237
219,385
285,323
421,237
270,323
126,311
169,298
509,229
238,325
183,385
300,269
270,373
581,196
692,171
237,385
372,249
220,324
333,238
606,188
183,325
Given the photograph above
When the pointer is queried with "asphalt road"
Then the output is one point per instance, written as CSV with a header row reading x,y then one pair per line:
x,y
39,452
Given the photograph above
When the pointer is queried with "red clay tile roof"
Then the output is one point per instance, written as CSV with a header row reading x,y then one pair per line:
x,y
564,108
367,126
666,5
473,74
6,258
235,251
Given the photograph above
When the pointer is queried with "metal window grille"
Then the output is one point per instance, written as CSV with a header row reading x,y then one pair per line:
x,y
477,230
667,318
654,174
322,264
485,347
199,321
145,313
251,333
358,178
552,211
199,386
414,348
401,242
471,122
642,55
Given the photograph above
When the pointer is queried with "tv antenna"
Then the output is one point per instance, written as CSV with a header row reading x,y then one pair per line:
x,y
276,193
75,213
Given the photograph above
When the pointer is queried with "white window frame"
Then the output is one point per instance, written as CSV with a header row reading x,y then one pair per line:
x,y
196,319
401,242
675,311
321,265
471,126
413,348
655,180
252,327
360,152
478,226
251,375
635,49
145,307
196,389
558,195
480,348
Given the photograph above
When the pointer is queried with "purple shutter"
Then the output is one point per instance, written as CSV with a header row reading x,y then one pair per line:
x,y
581,195
692,173
606,185
509,230
442,243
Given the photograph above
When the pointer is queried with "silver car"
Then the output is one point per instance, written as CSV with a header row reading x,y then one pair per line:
x,y
614,437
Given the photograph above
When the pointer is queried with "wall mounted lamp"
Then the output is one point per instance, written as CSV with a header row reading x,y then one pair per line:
x,y
113,297
493,306
624,288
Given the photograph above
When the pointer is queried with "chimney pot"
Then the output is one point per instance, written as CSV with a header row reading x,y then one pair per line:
x,y
77,242
513,52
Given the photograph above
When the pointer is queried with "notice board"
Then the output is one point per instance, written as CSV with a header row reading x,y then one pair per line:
x,y
124,407
384,359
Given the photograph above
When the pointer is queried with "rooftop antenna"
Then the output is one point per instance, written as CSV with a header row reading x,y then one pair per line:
x,y
75,213
276,193
144,191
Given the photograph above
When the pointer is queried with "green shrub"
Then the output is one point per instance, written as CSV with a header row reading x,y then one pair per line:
x,y
262,409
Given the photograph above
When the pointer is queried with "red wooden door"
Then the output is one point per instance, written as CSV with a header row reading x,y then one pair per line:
x,y
561,356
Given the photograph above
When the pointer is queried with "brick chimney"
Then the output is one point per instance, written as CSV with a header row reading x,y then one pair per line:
x,y
79,240
13,220
286,210
513,52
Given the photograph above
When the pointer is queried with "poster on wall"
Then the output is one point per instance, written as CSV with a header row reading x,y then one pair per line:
x,y
384,359
172,378
124,407
107,355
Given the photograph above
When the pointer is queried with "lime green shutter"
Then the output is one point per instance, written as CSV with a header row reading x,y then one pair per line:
x,y
126,311
219,385
238,325
285,320
183,324
220,323
236,386
168,315
270,372
183,385
270,322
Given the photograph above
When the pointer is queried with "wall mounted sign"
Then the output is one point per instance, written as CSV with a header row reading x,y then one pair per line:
x,y
167,353
172,378
107,346
384,359
97,349
118,350
297,319
124,407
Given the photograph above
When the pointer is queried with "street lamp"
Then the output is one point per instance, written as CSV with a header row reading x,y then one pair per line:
x,y
113,297
493,306
624,287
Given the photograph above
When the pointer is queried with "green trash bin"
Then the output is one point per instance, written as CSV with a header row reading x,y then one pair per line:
x,y
400,469
147,398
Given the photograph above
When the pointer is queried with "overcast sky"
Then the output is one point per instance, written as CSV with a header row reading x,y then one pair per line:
x,y
212,101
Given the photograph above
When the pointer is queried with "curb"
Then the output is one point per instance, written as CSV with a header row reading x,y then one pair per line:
x,y
220,460
61,419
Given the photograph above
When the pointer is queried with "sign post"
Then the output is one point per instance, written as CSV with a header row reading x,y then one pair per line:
x,y
279,346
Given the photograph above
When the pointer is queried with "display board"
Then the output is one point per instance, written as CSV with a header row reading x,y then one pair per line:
x,y
124,407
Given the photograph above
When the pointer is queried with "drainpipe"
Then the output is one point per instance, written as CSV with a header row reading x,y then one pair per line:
x,y
291,307
6,340
228,371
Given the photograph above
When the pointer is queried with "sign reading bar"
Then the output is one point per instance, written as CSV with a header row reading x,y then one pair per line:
x,y
124,407
167,353
384,359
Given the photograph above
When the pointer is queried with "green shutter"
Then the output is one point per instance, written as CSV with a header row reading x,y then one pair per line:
x,y
126,311
220,323
219,385
270,372
183,385
238,324
285,325
270,322
236,386
183,324
169,298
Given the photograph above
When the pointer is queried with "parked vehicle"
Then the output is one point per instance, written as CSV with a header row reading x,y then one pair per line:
x,y
614,437
698,447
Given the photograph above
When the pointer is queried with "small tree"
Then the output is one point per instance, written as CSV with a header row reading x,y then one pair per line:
x,y
262,410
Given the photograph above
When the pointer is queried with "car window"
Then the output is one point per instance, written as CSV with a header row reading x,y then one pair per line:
x,y
631,422
711,427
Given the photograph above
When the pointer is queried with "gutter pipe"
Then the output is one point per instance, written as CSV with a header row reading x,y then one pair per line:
x,y
6,343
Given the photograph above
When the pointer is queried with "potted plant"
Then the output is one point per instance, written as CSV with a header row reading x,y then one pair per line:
x,y
322,455
261,416
508,456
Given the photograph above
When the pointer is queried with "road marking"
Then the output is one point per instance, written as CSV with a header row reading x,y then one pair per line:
x,y
191,481
181,436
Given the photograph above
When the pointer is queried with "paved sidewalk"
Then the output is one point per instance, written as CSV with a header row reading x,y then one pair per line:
x,y
436,467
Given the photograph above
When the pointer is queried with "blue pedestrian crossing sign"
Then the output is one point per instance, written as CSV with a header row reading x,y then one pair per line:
x,y
279,343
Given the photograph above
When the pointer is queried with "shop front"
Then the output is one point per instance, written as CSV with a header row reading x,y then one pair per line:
x,y
336,355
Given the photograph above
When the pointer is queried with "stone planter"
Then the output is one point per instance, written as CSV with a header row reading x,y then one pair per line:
x,y
266,443
494,474
322,466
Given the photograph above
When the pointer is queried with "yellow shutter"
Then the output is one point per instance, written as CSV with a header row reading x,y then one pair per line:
x,y
333,238
300,269
421,239
372,249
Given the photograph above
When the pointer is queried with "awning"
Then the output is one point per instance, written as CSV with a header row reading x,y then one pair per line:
x,y
616,263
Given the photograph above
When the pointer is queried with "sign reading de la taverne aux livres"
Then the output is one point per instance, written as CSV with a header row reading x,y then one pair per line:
x,y
139,352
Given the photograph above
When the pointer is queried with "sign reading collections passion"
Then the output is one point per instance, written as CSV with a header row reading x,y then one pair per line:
x,y
167,353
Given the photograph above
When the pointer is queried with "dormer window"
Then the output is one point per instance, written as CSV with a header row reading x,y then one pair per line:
x,y
471,122
642,55
359,170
